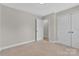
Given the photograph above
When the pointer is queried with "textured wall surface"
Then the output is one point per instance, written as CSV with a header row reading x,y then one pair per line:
x,y
17,26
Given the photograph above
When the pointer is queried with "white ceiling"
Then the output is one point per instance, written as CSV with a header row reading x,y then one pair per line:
x,y
41,9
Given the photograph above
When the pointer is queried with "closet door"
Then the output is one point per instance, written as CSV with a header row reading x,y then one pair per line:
x,y
75,28
63,29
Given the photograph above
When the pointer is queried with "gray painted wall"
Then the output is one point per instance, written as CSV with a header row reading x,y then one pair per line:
x,y
0,24
17,27
51,27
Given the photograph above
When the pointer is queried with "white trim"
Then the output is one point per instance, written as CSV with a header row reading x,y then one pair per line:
x,y
14,45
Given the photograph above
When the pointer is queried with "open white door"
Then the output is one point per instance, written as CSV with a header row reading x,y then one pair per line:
x,y
40,27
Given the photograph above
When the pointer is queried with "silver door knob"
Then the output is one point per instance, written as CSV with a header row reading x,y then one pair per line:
x,y
71,32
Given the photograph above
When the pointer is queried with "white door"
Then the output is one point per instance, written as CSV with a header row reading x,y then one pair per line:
x,y
40,27
63,29
75,28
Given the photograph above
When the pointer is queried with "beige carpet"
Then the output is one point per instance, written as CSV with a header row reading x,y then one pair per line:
x,y
41,48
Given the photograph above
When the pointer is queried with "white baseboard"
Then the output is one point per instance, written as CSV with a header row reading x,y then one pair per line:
x,y
14,45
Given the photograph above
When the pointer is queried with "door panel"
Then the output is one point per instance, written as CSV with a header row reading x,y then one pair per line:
x,y
40,27
75,28
63,28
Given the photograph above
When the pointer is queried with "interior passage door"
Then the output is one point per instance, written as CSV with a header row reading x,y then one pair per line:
x,y
63,29
40,27
75,28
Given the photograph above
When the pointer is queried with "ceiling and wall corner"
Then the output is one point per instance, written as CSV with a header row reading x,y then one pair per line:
x,y
41,10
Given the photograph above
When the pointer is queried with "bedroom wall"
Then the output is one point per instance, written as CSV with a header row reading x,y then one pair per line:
x,y
51,27
17,27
